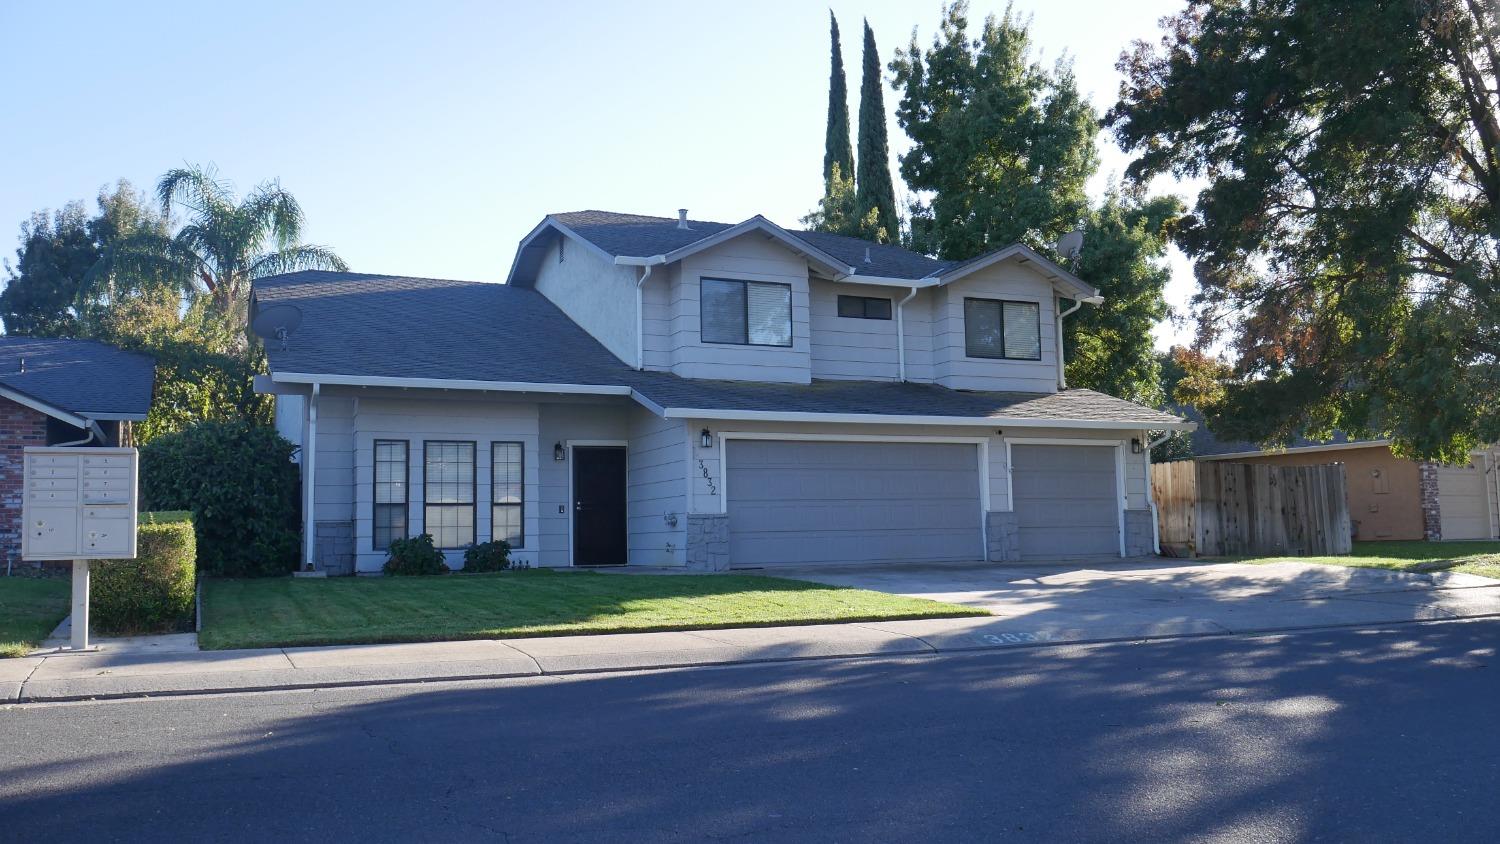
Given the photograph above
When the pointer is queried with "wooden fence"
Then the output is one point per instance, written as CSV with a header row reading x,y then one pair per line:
x,y
1214,509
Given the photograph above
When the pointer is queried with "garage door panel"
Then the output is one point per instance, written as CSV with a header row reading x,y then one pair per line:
x,y
1066,500
1464,500
796,502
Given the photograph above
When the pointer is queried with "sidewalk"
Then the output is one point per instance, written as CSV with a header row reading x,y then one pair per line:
x,y
173,665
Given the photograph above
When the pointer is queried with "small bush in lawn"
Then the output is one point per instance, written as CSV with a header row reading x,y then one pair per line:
x,y
154,592
239,480
488,556
416,555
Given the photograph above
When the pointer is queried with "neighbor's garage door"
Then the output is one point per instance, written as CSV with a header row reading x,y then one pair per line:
x,y
799,503
1462,495
1066,500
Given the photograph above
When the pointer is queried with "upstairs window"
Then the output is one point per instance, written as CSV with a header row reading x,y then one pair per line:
x,y
1007,330
747,313
448,492
864,307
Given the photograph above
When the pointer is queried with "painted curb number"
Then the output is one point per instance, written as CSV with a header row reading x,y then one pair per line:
x,y
1015,638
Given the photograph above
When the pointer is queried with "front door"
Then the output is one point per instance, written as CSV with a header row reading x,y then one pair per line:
x,y
598,506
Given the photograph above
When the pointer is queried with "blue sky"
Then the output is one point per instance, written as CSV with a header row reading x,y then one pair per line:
x,y
428,138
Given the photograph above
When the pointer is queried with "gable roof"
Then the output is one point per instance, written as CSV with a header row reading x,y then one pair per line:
x,y
73,379
620,237
381,330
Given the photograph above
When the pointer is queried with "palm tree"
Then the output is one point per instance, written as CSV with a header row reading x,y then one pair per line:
x,y
224,245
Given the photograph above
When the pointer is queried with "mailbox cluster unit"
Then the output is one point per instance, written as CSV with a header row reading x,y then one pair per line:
x,y
79,503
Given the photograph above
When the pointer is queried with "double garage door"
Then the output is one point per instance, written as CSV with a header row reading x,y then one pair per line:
x,y
825,502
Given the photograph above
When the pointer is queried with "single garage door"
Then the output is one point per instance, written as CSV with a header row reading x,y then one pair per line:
x,y
1462,495
1066,500
800,503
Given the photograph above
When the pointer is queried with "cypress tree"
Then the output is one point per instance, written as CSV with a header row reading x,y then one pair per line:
x,y
874,190
836,149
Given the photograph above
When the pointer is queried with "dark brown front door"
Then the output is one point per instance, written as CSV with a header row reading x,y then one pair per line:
x,y
598,506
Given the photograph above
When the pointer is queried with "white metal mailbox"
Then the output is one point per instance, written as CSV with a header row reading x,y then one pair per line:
x,y
79,504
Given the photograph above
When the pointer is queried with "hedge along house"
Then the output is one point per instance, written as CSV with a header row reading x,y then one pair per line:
x,y
62,392
669,392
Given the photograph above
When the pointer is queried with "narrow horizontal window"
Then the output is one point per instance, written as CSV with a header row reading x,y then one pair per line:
x,y
753,313
1002,329
448,492
864,307
507,493
388,520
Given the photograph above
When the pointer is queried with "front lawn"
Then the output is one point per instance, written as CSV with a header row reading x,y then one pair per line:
x,y
30,608
273,612
1481,558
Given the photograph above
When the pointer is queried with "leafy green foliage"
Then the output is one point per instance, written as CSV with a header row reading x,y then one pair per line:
x,y
1003,146
1348,242
488,556
154,592
238,480
875,195
415,555
838,156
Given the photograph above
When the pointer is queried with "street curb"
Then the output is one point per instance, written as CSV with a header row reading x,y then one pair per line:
x,y
932,652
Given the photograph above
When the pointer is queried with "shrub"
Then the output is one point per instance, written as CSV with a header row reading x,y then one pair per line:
x,y
488,556
238,480
415,555
154,592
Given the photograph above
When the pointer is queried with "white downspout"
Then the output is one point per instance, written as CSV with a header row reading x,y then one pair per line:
x,y
640,318
901,335
309,479
1150,495
1062,378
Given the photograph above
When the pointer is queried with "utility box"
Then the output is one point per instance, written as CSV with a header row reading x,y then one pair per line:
x,y
79,504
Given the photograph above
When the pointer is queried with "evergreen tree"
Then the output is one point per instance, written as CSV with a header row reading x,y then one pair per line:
x,y
837,153
874,191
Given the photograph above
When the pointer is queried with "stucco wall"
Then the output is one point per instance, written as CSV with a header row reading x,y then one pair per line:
x,y
593,292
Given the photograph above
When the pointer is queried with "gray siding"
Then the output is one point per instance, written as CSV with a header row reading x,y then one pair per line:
x,y
953,368
657,488
847,348
563,423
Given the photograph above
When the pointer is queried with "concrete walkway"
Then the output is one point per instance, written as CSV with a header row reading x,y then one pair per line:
x,y
1045,605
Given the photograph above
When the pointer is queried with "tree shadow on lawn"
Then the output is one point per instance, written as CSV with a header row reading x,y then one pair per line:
x,y
291,611
1377,735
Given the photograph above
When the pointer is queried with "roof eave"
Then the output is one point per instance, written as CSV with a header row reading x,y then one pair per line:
x,y
912,419
1074,287
798,246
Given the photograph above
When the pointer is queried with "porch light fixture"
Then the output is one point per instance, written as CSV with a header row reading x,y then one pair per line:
x,y
558,453
1135,445
705,438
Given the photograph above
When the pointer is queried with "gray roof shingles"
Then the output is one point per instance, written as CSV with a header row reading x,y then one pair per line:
x,y
82,377
393,326
639,235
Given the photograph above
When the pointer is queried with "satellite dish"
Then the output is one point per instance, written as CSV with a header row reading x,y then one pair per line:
x,y
1071,244
276,322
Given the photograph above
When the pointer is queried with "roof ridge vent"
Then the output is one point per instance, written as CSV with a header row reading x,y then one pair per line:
x,y
682,219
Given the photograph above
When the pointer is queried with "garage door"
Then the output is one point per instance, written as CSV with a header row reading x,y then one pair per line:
x,y
799,503
1464,502
1066,501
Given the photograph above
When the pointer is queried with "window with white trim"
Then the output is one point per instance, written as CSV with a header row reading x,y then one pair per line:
x,y
507,493
998,328
746,313
448,492
388,521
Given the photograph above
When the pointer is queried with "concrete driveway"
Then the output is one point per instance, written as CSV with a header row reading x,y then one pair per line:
x,y
1159,597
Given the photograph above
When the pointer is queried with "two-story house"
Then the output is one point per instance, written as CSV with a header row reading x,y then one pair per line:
x,y
672,392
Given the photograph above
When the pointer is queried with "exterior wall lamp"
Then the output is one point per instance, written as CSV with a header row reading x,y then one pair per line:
x,y
706,438
1135,445
558,452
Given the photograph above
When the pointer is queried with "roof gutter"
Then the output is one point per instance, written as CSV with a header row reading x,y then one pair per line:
x,y
901,334
898,419
1062,363
640,318
448,384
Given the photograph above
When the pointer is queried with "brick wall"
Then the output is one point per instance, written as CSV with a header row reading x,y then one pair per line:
x,y
20,426
1432,509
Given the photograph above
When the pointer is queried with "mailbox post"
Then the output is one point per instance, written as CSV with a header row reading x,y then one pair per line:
x,y
79,504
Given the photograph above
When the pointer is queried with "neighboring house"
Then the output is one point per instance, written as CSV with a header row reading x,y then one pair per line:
x,y
1389,497
56,392
667,392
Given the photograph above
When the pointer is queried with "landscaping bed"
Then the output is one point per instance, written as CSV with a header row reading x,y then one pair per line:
x,y
266,612
30,609
1481,558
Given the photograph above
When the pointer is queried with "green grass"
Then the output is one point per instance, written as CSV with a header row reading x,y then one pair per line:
x,y
30,608
1481,558
291,611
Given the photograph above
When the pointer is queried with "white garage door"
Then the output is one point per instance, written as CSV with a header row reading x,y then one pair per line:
x,y
1463,496
1066,501
800,503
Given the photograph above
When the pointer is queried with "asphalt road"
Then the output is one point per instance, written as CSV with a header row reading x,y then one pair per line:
x,y
1338,735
